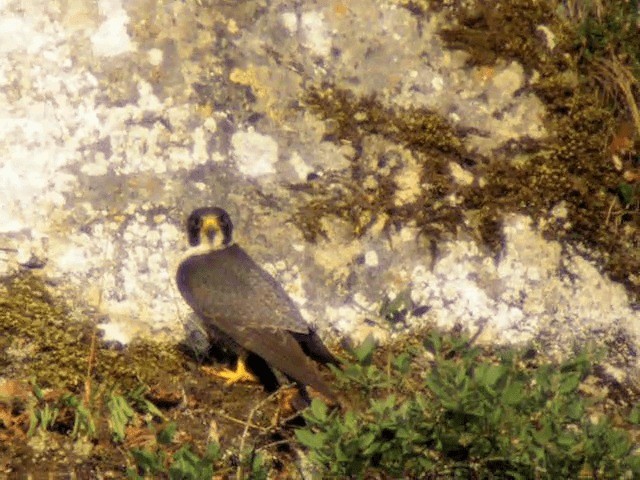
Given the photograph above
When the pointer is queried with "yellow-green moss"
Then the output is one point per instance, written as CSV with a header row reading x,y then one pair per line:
x,y
572,165
350,119
39,339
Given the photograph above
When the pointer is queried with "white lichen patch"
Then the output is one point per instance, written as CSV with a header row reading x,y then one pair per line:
x,y
111,38
523,294
315,33
255,154
43,130
451,291
99,166
344,318
116,332
301,168
144,280
290,21
155,56
371,258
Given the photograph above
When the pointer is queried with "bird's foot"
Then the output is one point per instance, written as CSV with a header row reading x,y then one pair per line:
x,y
240,374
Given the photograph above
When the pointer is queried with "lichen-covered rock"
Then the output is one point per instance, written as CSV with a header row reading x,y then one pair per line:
x,y
369,165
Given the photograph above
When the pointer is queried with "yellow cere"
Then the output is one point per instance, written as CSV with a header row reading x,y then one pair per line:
x,y
210,222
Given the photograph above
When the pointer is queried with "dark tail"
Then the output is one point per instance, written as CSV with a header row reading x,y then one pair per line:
x,y
314,348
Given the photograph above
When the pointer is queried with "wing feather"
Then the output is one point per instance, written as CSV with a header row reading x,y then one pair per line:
x,y
229,279
233,294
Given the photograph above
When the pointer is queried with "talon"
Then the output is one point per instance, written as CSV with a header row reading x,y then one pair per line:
x,y
240,374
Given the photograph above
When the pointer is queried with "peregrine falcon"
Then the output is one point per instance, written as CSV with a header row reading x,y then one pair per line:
x,y
244,307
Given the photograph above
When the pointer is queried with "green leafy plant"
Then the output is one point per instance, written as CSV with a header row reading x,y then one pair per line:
x,y
42,414
184,464
120,414
138,400
361,374
629,194
149,462
123,408
83,423
613,28
188,465
55,413
256,464
451,408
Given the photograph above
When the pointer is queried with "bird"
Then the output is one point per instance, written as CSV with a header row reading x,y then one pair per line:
x,y
245,308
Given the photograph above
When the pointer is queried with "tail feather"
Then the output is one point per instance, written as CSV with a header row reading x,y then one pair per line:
x,y
314,348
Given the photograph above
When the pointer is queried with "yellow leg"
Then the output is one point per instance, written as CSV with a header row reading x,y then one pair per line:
x,y
240,374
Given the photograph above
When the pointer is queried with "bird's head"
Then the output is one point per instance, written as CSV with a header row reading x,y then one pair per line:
x,y
209,227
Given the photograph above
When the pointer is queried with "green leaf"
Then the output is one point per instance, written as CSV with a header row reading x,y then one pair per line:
x,y
542,436
259,468
83,422
436,387
627,193
565,439
364,351
341,456
33,423
319,410
183,470
402,363
366,439
633,463
421,401
620,445
149,462
634,416
70,400
120,415
350,420
152,409
433,343
513,393
165,436
37,391
213,452
575,409
492,374
185,455
132,474
384,404
310,439
187,465
569,383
